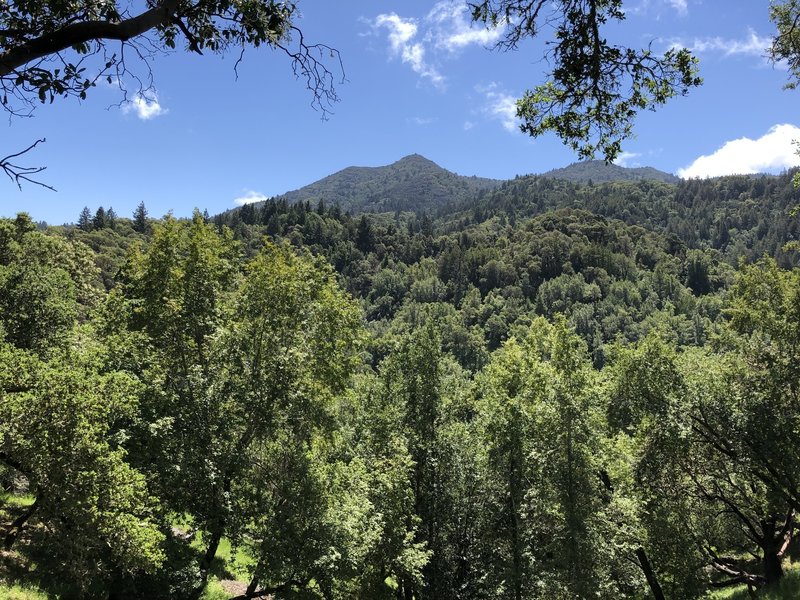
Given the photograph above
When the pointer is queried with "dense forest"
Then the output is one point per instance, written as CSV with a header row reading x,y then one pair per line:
x,y
539,389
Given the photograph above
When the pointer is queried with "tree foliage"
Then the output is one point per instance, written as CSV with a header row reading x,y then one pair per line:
x,y
90,40
595,89
502,401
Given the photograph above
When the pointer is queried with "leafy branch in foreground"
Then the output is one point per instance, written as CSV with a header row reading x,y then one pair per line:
x,y
786,44
594,89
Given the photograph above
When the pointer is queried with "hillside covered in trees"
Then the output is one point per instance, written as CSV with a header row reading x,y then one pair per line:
x,y
540,389
413,184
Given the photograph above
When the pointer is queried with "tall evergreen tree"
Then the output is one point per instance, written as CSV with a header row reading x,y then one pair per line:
x,y
100,220
85,219
111,218
140,222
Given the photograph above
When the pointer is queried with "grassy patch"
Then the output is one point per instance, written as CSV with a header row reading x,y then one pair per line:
x,y
787,589
17,592
213,591
14,501
235,564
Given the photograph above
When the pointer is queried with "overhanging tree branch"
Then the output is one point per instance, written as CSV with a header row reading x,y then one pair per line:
x,y
594,89
81,33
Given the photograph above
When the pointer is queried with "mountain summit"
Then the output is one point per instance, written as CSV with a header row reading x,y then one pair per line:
x,y
413,183
417,184
597,171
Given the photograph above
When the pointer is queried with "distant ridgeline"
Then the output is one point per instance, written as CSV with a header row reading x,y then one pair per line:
x,y
416,184
739,215
597,171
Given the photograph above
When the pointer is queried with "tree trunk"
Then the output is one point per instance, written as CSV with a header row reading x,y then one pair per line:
x,y
211,549
408,591
773,570
208,556
18,525
650,575
771,545
252,587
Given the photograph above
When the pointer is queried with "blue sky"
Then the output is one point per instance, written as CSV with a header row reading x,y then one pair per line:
x,y
418,79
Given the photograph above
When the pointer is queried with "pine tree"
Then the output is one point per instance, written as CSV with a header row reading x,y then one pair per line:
x,y
364,235
99,221
85,219
111,218
140,223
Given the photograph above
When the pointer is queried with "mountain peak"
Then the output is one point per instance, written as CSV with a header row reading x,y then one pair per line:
x,y
416,160
411,157
413,183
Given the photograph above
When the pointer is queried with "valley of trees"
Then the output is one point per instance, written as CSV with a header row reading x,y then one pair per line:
x,y
547,390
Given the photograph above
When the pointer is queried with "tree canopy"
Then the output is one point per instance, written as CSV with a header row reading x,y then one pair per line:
x,y
515,398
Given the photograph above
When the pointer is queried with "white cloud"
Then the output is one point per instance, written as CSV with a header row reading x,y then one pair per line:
x,y
500,106
446,30
751,45
249,197
453,28
771,152
421,121
680,6
624,159
401,33
468,125
145,105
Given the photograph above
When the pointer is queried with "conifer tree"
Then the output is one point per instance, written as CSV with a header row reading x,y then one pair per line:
x,y
140,223
85,219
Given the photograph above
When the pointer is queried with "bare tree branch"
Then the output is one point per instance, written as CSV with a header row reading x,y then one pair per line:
x,y
19,173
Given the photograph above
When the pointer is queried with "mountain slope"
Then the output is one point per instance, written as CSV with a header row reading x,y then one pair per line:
x,y
413,183
598,171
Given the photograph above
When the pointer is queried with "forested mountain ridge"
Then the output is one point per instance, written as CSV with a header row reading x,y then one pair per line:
x,y
416,184
413,183
742,216
598,171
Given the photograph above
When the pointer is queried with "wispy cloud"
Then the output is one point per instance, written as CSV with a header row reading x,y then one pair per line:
x,y
401,35
501,106
249,197
626,159
750,45
771,152
681,6
421,121
424,43
452,28
145,106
